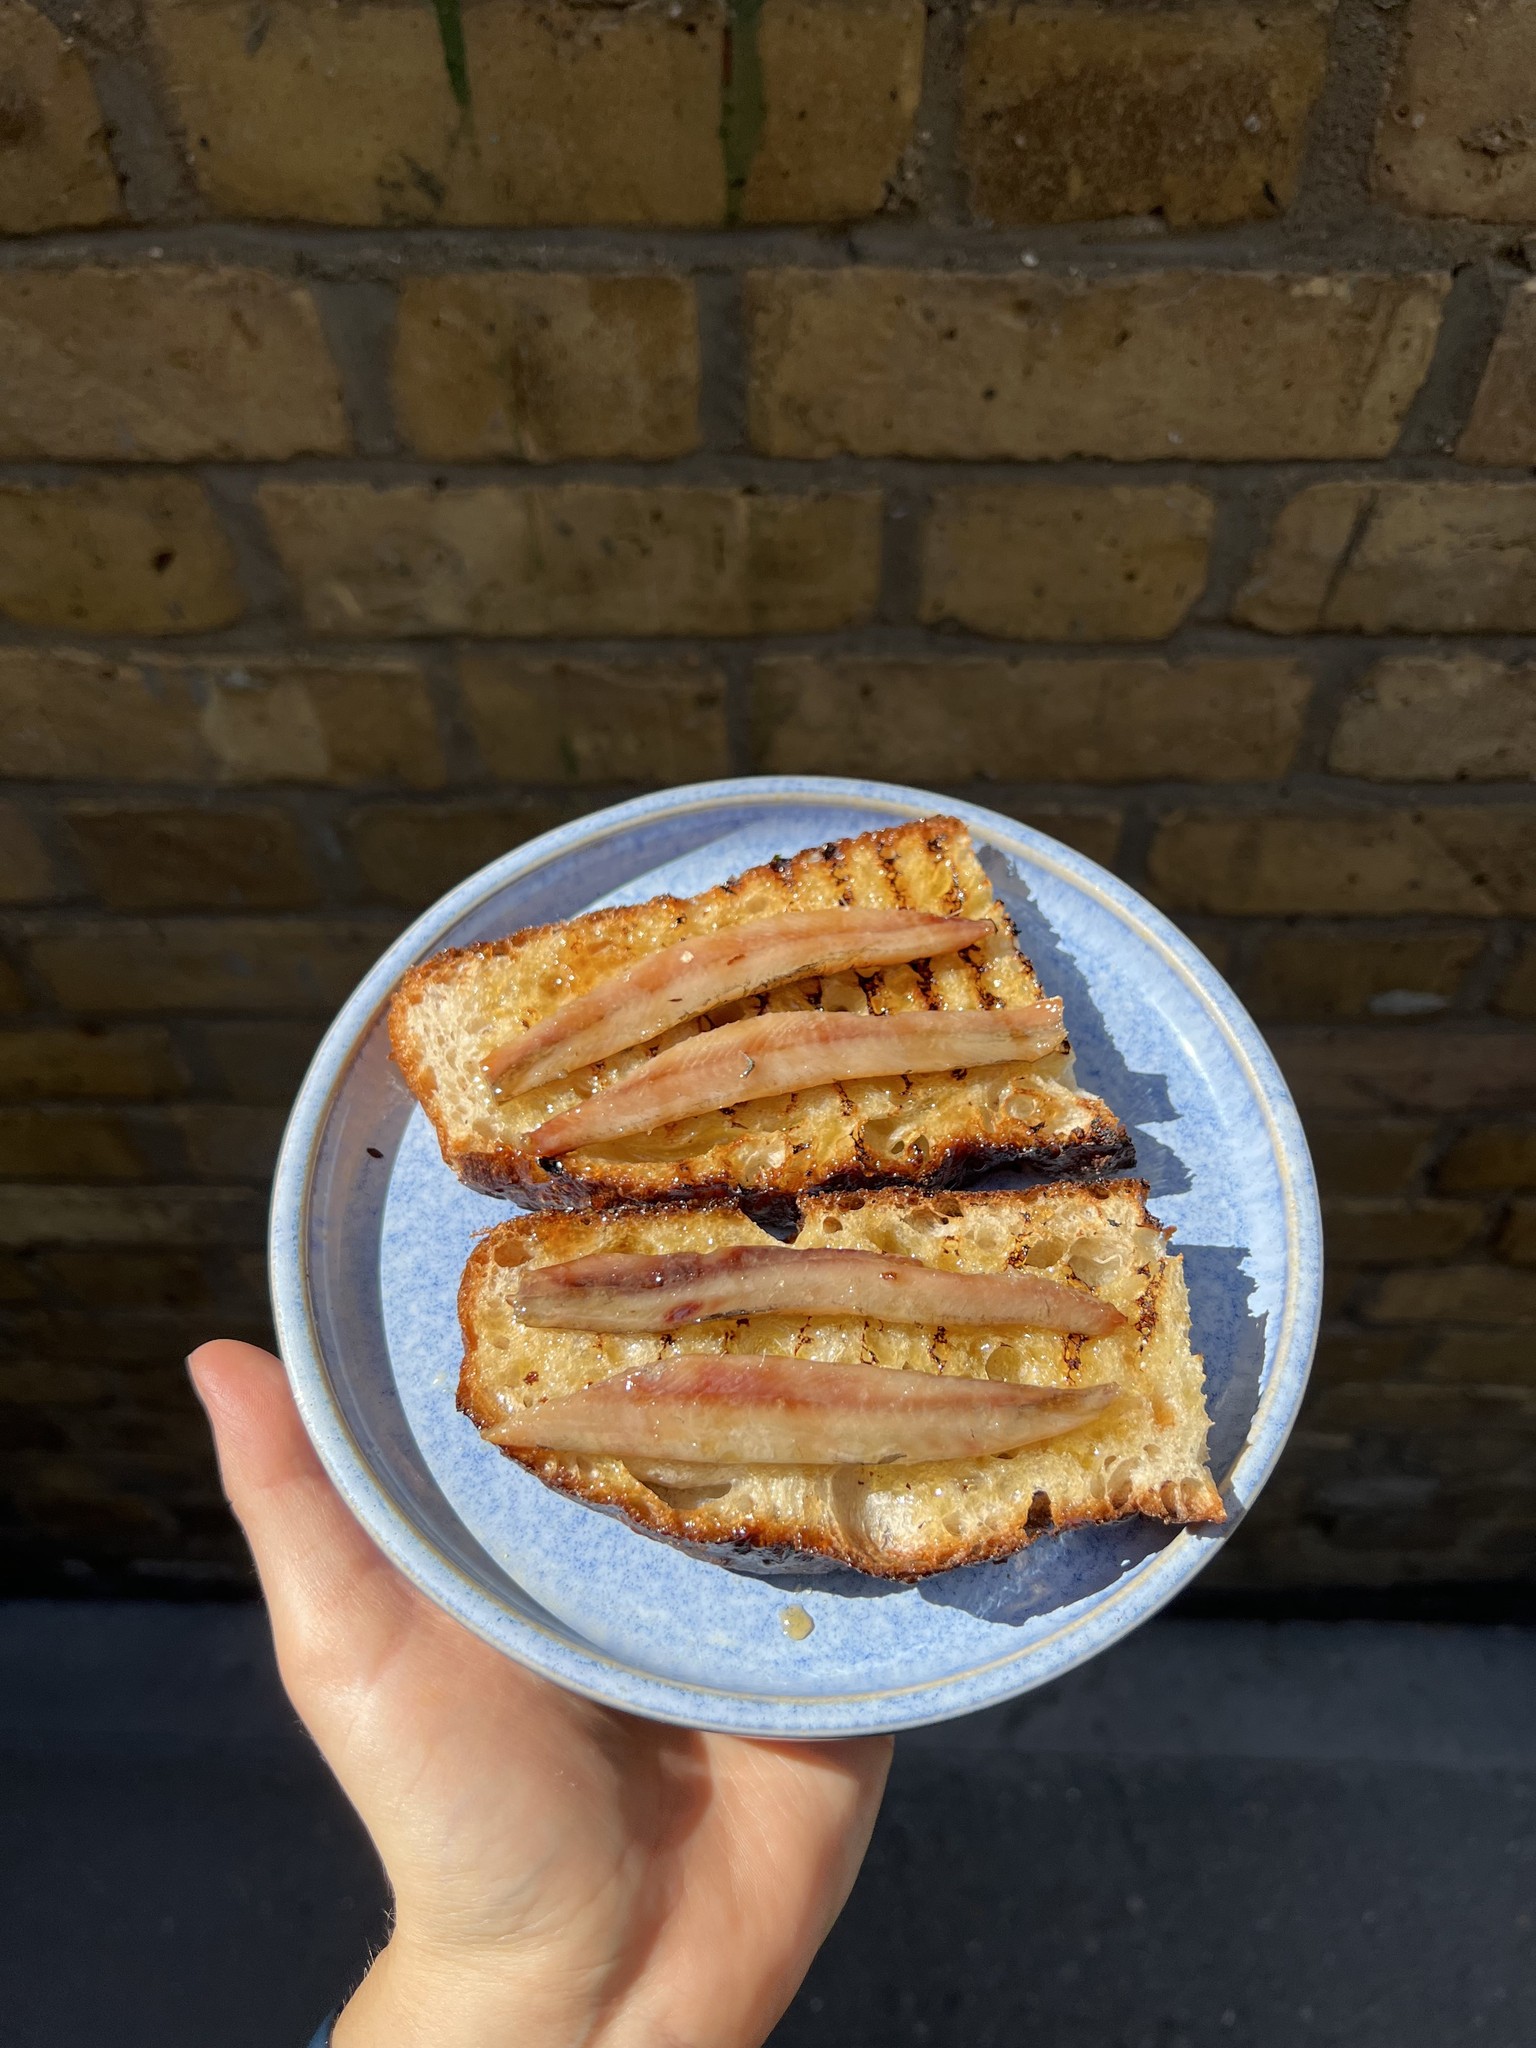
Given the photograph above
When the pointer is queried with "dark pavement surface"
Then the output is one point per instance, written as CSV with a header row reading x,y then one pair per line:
x,y
1222,1832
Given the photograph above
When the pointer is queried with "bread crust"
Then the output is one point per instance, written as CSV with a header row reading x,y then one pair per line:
x,y
811,1521
822,1140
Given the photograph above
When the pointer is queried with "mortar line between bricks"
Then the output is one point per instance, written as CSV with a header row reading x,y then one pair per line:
x,y
935,128
1335,184
1376,240
1238,794
270,641
807,475
1469,325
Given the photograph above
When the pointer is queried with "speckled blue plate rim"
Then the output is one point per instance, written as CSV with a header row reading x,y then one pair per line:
x,y
1112,1613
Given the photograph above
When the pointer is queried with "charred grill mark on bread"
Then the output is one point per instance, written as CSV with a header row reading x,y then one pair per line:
x,y
785,1149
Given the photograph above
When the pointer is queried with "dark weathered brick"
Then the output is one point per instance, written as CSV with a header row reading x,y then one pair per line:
x,y
1366,1231
1490,1156
1393,1071
1116,718
233,858
581,559
1196,114
409,854
1456,1294
67,1144
546,720
1517,1239
26,873
133,1063
1357,1156
1517,995
1459,862
206,963
1349,972
261,1061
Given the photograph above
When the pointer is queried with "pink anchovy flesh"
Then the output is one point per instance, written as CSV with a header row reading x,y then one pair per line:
x,y
786,1050
642,1291
684,980
749,1409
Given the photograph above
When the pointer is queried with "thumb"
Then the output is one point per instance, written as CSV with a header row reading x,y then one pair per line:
x,y
336,1603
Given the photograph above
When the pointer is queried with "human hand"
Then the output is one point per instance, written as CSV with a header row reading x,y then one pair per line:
x,y
562,1873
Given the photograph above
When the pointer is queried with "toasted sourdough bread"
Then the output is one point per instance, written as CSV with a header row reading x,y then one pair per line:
x,y
454,1009
1145,1455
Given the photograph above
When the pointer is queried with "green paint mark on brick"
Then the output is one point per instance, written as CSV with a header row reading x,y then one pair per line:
x,y
450,29
743,103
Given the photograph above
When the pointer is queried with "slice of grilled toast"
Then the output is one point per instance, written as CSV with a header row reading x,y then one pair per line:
x,y
1145,1455
927,1130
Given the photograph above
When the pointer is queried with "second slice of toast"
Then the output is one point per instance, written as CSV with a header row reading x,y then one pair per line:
x,y
927,1130
1146,1454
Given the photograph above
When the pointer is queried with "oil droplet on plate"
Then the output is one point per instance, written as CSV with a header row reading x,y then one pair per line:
x,y
796,1623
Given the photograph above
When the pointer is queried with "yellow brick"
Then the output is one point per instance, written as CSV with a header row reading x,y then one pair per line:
x,y
548,368
1417,719
1215,365
1108,720
333,722
137,858
64,714
549,720
1450,862
135,1064
1490,1156
115,555
1502,427
1456,126
1517,995
410,854
579,559
206,963
1399,558
26,873
54,168
164,362
581,115
66,1144
840,86
1065,561
215,719
1304,973
1456,1294
1196,113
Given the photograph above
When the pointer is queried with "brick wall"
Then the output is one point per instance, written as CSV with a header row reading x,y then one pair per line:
x,y
1123,415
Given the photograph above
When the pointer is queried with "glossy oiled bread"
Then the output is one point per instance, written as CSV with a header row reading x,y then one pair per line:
x,y
1146,1454
925,1130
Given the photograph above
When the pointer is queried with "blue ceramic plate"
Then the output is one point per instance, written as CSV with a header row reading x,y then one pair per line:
x,y
370,1232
